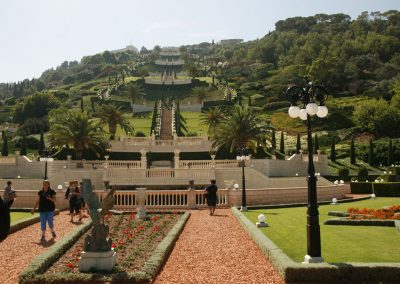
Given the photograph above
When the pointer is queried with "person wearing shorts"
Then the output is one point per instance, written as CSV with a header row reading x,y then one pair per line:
x,y
47,204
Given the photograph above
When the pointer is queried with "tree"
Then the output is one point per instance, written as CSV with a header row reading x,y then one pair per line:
x,y
201,93
316,145
333,150
112,116
24,150
135,93
390,153
4,153
282,144
77,130
212,118
298,144
273,139
42,146
81,104
371,158
352,152
241,129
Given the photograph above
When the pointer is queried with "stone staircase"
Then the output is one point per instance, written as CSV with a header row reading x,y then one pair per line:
x,y
166,124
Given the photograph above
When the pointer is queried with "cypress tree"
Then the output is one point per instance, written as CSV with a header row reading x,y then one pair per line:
x,y
273,139
5,145
298,144
282,145
333,150
42,146
24,150
390,153
92,103
352,152
371,158
316,145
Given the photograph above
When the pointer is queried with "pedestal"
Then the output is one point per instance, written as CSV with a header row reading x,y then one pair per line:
x,y
141,213
261,224
309,259
99,261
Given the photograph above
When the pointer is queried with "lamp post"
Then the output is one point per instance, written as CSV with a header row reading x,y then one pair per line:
x,y
241,158
307,97
45,158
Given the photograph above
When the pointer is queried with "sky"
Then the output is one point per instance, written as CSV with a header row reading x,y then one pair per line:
x,y
40,34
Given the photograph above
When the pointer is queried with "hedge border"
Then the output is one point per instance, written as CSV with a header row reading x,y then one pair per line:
x,y
23,223
293,272
366,222
145,275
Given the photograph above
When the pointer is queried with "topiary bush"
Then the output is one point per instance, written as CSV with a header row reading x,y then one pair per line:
x,y
140,134
362,173
388,189
344,174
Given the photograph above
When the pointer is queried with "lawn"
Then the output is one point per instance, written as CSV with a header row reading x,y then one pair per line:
x,y
193,122
287,229
139,124
333,167
16,216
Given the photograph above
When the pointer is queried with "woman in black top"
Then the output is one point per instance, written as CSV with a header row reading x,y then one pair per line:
x,y
211,196
47,204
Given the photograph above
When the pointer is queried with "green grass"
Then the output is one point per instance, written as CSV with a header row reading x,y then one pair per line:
x,y
16,216
193,122
287,229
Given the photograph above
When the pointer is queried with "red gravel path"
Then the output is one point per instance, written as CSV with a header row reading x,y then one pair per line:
x,y
21,247
215,249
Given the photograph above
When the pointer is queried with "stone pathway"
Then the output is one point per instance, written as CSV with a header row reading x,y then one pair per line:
x,y
21,247
166,124
215,249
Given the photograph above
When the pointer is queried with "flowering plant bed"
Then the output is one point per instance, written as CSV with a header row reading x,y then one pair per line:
x,y
141,246
386,213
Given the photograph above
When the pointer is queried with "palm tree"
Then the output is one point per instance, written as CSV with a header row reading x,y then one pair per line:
x,y
79,130
242,129
212,118
135,93
112,116
201,94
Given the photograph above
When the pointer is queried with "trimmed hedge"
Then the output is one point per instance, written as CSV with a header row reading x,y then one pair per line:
x,y
34,273
394,170
293,272
361,187
389,189
365,222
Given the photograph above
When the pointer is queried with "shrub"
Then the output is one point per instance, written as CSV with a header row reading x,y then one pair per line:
x,y
140,134
276,105
31,142
361,187
343,173
362,173
389,189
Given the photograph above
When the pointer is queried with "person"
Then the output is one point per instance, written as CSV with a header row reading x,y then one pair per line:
x,y
4,220
75,201
83,205
211,196
9,194
47,204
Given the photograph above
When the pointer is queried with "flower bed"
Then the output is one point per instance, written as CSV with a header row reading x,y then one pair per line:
x,y
387,213
134,241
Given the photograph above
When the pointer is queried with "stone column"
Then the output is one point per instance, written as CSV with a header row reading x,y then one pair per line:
x,y
191,195
143,159
141,199
106,162
176,158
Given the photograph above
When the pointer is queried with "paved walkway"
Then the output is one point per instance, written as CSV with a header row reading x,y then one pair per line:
x,y
21,247
215,249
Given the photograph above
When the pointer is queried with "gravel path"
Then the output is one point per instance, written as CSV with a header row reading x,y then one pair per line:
x,y
21,247
215,249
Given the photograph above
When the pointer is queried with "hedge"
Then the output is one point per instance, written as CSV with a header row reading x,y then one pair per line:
x,y
293,272
389,189
34,272
361,187
394,170
365,222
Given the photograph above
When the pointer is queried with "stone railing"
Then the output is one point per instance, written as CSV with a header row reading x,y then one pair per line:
x,y
169,63
166,199
185,174
207,164
7,160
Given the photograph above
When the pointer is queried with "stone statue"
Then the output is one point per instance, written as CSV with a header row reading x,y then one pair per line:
x,y
97,240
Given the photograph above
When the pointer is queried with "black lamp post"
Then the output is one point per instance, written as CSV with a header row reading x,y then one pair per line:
x,y
307,97
45,157
242,157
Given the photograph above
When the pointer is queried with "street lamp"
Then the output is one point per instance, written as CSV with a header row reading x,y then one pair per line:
x,y
308,97
242,158
45,157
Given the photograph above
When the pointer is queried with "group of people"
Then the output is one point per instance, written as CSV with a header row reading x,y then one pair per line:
x,y
77,204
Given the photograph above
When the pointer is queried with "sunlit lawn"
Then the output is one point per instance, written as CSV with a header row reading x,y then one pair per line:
x,y
16,216
193,122
287,229
139,124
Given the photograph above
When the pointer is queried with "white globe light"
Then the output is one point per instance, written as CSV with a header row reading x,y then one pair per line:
x,y
312,109
294,111
236,186
303,114
322,111
261,218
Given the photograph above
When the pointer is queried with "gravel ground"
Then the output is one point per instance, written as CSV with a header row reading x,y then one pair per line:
x,y
21,247
215,249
